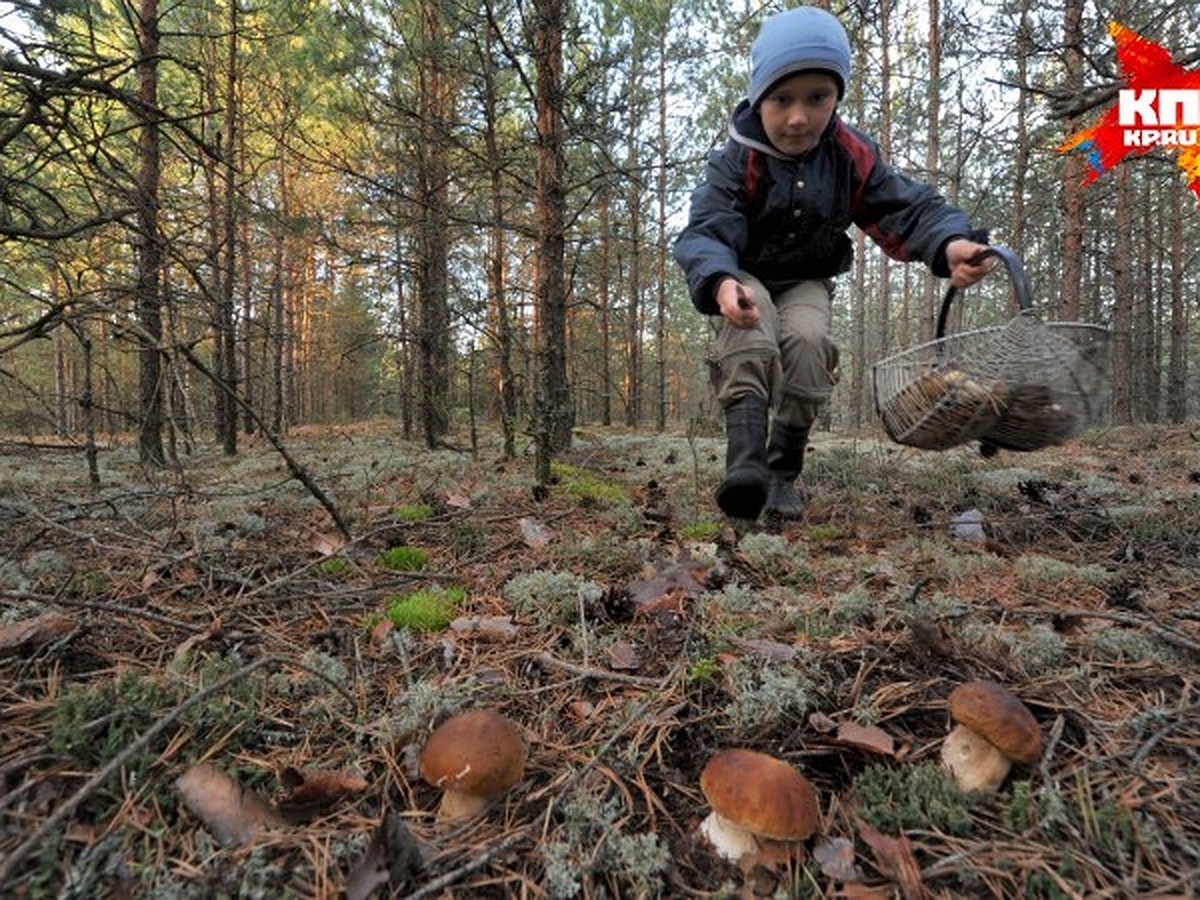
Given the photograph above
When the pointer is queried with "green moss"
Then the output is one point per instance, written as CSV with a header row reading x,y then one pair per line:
x,y
824,533
704,669
403,559
413,512
426,610
912,797
89,584
336,566
815,626
1020,812
586,487
704,530
94,722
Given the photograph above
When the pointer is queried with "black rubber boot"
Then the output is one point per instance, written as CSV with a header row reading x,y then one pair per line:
x,y
785,461
744,490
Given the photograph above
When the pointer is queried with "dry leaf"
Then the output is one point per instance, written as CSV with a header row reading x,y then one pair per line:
x,y
821,723
496,628
853,891
380,632
667,603
772,650
80,833
312,790
866,737
327,543
835,855
232,814
197,639
623,656
681,580
535,534
38,630
583,708
393,858
457,500
894,858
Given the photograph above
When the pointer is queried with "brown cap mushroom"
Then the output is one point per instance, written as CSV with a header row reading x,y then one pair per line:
x,y
754,796
474,757
994,730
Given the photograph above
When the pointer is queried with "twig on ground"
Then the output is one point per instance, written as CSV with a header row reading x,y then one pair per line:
x,y
132,611
346,695
592,672
476,863
1056,732
1182,717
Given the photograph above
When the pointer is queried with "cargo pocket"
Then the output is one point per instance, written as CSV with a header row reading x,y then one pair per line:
x,y
750,368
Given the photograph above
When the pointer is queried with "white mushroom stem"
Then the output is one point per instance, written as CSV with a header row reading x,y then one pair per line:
x,y
974,761
731,841
457,806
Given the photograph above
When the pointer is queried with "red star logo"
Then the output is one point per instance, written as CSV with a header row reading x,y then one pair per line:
x,y
1145,66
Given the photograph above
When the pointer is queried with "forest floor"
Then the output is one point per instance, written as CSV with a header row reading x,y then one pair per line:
x,y
207,691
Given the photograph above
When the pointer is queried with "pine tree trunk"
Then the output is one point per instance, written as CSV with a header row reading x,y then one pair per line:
x,y
1021,159
633,321
552,419
432,264
660,330
1177,373
885,144
60,364
506,385
1122,395
606,378
149,245
1072,186
1146,344
246,287
932,156
227,336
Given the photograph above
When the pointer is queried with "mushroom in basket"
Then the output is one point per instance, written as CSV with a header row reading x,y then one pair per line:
x,y
943,408
1036,417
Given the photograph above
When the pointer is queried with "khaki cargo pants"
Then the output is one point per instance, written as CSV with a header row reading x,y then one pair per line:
x,y
789,358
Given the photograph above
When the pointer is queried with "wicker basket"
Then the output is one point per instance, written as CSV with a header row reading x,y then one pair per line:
x,y
1021,386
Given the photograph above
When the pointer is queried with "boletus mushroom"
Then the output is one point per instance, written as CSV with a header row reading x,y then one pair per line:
x,y
755,796
474,757
994,729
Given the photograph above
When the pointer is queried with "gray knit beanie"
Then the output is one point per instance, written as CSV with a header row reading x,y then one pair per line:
x,y
798,40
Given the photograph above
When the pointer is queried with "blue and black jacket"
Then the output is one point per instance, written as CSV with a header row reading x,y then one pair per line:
x,y
784,219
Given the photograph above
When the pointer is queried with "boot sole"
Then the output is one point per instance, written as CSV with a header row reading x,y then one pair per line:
x,y
742,498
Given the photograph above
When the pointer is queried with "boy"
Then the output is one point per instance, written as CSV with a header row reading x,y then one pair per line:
x,y
767,234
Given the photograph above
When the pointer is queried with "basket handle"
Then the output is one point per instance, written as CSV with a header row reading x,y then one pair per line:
x,y
1016,275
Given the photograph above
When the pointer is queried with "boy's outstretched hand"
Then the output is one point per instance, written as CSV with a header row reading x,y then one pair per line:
x,y
736,303
967,262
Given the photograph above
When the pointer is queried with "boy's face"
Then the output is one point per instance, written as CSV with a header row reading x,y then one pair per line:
x,y
796,111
